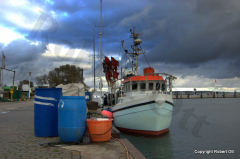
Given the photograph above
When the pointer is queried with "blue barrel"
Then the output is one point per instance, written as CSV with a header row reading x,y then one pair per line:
x,y
46,111
72,115
88,96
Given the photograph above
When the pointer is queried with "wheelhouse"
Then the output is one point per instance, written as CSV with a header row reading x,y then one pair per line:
x,y
150,81
137,83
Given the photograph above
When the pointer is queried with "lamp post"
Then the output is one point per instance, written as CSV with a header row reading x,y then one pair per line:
x,y
29,85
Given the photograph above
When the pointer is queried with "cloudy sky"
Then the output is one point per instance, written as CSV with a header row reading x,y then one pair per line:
x,y
198,41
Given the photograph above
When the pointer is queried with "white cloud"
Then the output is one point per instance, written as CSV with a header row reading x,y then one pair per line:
x,y
78,57
20,13
18,2
8,35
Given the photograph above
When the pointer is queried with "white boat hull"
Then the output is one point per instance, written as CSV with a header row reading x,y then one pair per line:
x,y
144,118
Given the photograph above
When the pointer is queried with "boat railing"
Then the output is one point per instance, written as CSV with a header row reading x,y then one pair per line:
x,y
167,75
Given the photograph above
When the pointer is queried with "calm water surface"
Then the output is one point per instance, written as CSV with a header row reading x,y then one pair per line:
x,y
197,125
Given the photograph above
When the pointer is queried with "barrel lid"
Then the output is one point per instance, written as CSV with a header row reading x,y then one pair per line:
x,y
102,119
47,88
72,97
99,119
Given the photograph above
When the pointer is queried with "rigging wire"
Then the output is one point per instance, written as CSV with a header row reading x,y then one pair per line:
x,y
98,56
106,33
146,58
121,58
126,39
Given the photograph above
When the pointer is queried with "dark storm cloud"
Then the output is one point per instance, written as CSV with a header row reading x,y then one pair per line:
x,y
22,56
76,19
196,36
20,51
185,37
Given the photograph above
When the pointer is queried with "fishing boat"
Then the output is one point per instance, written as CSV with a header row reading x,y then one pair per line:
x,y
145,105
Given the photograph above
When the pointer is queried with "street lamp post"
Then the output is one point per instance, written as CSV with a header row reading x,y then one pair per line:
x,y
29,85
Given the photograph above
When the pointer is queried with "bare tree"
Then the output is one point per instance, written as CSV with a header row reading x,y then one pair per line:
x,y
41,80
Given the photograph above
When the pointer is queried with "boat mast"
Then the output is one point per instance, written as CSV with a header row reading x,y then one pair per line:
x,y
94,59
136,50
100,48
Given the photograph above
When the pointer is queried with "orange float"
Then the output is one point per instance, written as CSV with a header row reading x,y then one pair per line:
x,y
107,113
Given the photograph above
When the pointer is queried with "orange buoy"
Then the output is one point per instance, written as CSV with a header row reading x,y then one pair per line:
x,y
107,113
11,100
99,129
20,100
24,99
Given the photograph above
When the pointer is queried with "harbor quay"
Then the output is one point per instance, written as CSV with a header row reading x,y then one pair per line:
x,y
18,141
179,95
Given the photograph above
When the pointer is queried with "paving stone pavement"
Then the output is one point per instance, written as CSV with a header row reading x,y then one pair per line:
x,y
101,150
17,139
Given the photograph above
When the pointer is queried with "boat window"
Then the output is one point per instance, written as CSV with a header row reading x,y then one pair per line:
x,y
150,86
142,86
163,87
157,86
134,86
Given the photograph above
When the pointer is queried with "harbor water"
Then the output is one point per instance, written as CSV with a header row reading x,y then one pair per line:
x,y
200,128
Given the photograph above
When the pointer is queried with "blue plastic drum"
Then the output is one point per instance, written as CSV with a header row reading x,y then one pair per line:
x,y
72,115
46,111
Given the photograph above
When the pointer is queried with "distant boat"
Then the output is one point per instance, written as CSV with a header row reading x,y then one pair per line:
x,y
96,97
146,105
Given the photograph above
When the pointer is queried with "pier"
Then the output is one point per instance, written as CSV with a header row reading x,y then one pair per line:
x,y
198,95
18,139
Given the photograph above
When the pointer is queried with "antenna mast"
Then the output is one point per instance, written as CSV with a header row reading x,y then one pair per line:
x,y
94,58
136,50
100,48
